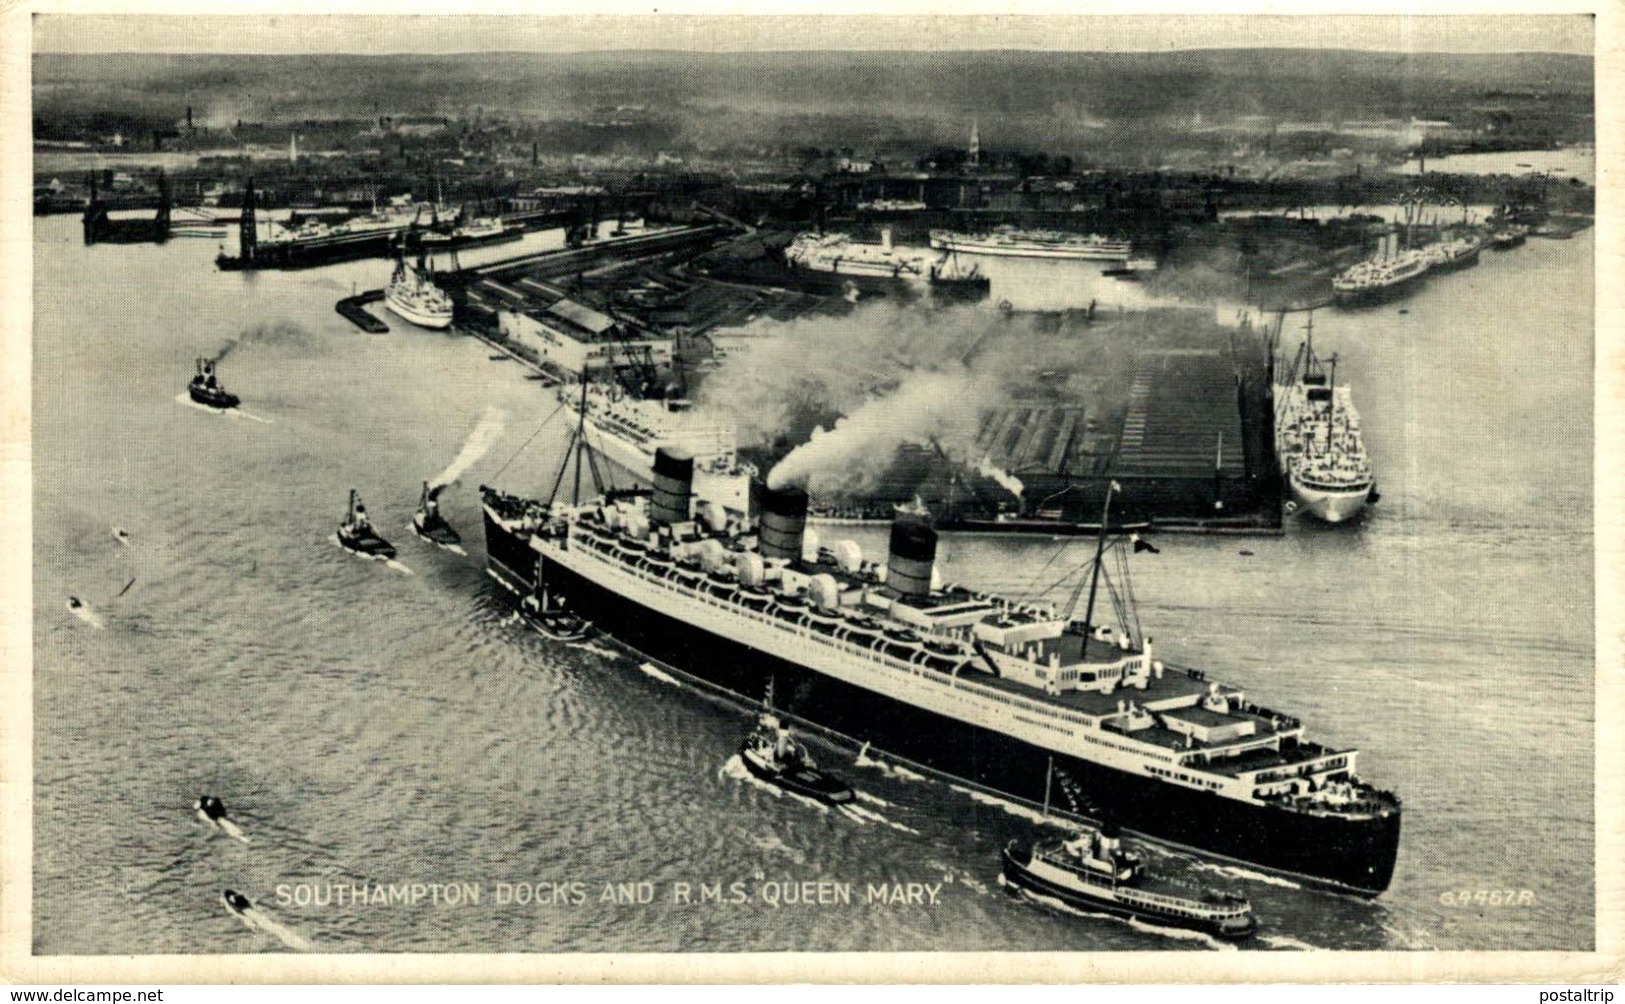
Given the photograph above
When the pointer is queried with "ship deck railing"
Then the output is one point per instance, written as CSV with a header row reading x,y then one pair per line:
x,y
953,681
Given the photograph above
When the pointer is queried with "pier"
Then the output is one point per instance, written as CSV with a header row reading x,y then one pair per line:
x,y
354,310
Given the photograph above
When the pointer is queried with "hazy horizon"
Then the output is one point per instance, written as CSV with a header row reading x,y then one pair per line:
x,y
591,34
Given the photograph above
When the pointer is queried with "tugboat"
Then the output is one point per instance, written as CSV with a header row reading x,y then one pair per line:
x,y
772,755
429,524
357,535
236,902
951,280
551,620
1091,872
206,389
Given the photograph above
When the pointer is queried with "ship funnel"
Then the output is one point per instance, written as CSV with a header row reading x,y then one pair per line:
x,y
913,556
673,485
783,522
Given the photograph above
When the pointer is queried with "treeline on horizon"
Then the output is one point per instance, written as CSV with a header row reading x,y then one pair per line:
x,y
736,100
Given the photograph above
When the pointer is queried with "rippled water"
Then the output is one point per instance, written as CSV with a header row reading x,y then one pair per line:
x,y
368,726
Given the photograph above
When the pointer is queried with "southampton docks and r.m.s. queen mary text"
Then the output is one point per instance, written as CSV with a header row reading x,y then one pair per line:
x,y
576,500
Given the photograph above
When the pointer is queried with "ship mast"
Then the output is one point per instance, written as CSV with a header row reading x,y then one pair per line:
x,y
1094,577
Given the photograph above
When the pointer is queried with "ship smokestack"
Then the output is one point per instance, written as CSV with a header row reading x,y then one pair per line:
x,y
673,484
913,555
783,522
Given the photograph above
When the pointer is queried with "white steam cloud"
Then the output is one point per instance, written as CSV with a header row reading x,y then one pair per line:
x,y
490,428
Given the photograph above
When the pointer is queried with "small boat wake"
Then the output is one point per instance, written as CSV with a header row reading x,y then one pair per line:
x,y
256,919
862,814
952,875
736,770
598,650
890,770
1231,871
655,672
1019,811
80,609
391,562
1172,933
186,399
1285,942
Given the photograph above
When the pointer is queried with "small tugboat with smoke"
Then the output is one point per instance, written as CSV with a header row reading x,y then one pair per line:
x,y
207,390
357,536
430,525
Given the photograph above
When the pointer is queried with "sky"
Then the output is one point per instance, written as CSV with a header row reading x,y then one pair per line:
x,y
911,26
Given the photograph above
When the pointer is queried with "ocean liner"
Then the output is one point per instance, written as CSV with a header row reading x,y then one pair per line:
x,y
994,692
1318,441
1009,241
629,429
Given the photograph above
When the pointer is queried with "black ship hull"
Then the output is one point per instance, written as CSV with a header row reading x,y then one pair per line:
x,y
213,398
1017,873
457,243
367,546
806,782
1350,855
435,530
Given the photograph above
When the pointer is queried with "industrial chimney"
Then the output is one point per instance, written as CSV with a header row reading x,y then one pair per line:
x,y
783,522
673,483
913,554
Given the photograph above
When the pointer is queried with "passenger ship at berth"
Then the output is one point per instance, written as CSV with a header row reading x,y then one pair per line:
x,y
1010,242
1318,442
629,429
999,694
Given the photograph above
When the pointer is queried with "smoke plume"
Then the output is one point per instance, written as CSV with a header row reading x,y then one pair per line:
x,y
281,332
893,375
479,442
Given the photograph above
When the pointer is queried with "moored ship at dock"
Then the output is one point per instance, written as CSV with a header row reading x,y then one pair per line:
x,y
987,690
1011,242
841,255
630,430
1457,253
413,296
1318,441
1377,280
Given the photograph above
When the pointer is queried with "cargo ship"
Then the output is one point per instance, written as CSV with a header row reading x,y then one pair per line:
x,y
1377,280
1318,441
988,691
413,296
1011,242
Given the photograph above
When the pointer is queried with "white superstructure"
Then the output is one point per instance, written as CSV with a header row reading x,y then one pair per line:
x,y
1011,242
629,430
1318,442
840,254
412,295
